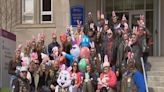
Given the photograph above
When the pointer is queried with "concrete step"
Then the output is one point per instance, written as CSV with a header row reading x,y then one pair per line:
x,y
156,89
157,68
155,84
157,63
155,73
155,78
156,59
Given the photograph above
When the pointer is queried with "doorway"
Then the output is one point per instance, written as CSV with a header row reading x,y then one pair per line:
x,y
133,16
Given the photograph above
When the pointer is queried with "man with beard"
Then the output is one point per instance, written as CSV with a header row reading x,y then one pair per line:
x,y
94,59
133,80
53,75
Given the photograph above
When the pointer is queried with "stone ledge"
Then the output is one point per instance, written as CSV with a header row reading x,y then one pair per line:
x,y
22,26
157,69
156,89
156,73
155,59
155,84
155,78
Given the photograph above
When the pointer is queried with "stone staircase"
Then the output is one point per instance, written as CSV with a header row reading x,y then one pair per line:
x,y
155,76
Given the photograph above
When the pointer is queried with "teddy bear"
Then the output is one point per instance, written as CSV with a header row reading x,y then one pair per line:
x,y
64,82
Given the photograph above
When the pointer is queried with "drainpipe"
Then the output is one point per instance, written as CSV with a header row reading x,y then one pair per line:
x,y
159,26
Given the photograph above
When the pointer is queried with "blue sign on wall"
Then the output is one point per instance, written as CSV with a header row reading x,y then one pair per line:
x,y
77,13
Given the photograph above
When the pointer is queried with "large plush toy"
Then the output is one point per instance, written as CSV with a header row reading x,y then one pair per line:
x,y
84,52
64,82
75,51
85,41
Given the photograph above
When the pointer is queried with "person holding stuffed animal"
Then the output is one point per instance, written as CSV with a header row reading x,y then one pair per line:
x,y
107,80
55,53
95,59
53,43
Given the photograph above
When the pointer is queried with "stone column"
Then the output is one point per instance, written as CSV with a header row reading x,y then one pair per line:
x,y
61,14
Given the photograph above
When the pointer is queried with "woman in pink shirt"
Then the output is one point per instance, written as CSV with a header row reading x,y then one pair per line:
x,y
107,80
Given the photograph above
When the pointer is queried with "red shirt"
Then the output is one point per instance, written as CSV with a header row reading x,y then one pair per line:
x,y
107,80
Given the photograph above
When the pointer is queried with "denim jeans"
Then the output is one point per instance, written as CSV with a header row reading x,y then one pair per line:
x,y
12,77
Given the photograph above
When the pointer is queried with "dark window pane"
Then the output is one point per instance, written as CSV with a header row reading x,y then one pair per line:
x,y
139,4
118,5
46,5
149,4
149,25
109,14
46,17
128,4
109,5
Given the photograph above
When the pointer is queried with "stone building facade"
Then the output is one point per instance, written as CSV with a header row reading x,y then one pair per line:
x,y
30,17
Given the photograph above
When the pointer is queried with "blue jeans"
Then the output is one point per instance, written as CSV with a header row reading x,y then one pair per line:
x,y
12,77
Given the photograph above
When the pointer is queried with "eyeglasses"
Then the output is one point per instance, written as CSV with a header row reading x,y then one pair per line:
x,y
24,71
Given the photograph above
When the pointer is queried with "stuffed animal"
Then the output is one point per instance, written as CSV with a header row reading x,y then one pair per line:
x,y
75,51
107,77
85,41
64,82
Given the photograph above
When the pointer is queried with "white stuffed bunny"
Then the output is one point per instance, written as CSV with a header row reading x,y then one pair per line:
x,y
64,82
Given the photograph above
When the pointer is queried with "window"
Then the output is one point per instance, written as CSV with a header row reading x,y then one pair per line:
x,y
46,11
27,11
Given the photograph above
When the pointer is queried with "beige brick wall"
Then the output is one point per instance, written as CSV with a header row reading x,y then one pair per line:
x,y
61,18
8,13
60,21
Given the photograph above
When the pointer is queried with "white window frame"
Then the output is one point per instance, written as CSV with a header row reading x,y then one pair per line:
x,y
46,12
24,13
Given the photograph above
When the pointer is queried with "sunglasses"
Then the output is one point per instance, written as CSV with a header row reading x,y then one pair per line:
x,y
75,65
37,63
24,71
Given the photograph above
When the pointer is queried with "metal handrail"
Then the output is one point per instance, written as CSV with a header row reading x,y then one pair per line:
x,y
144,74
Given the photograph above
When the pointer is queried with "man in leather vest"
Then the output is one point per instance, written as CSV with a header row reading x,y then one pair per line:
x,y
133,80
21,84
